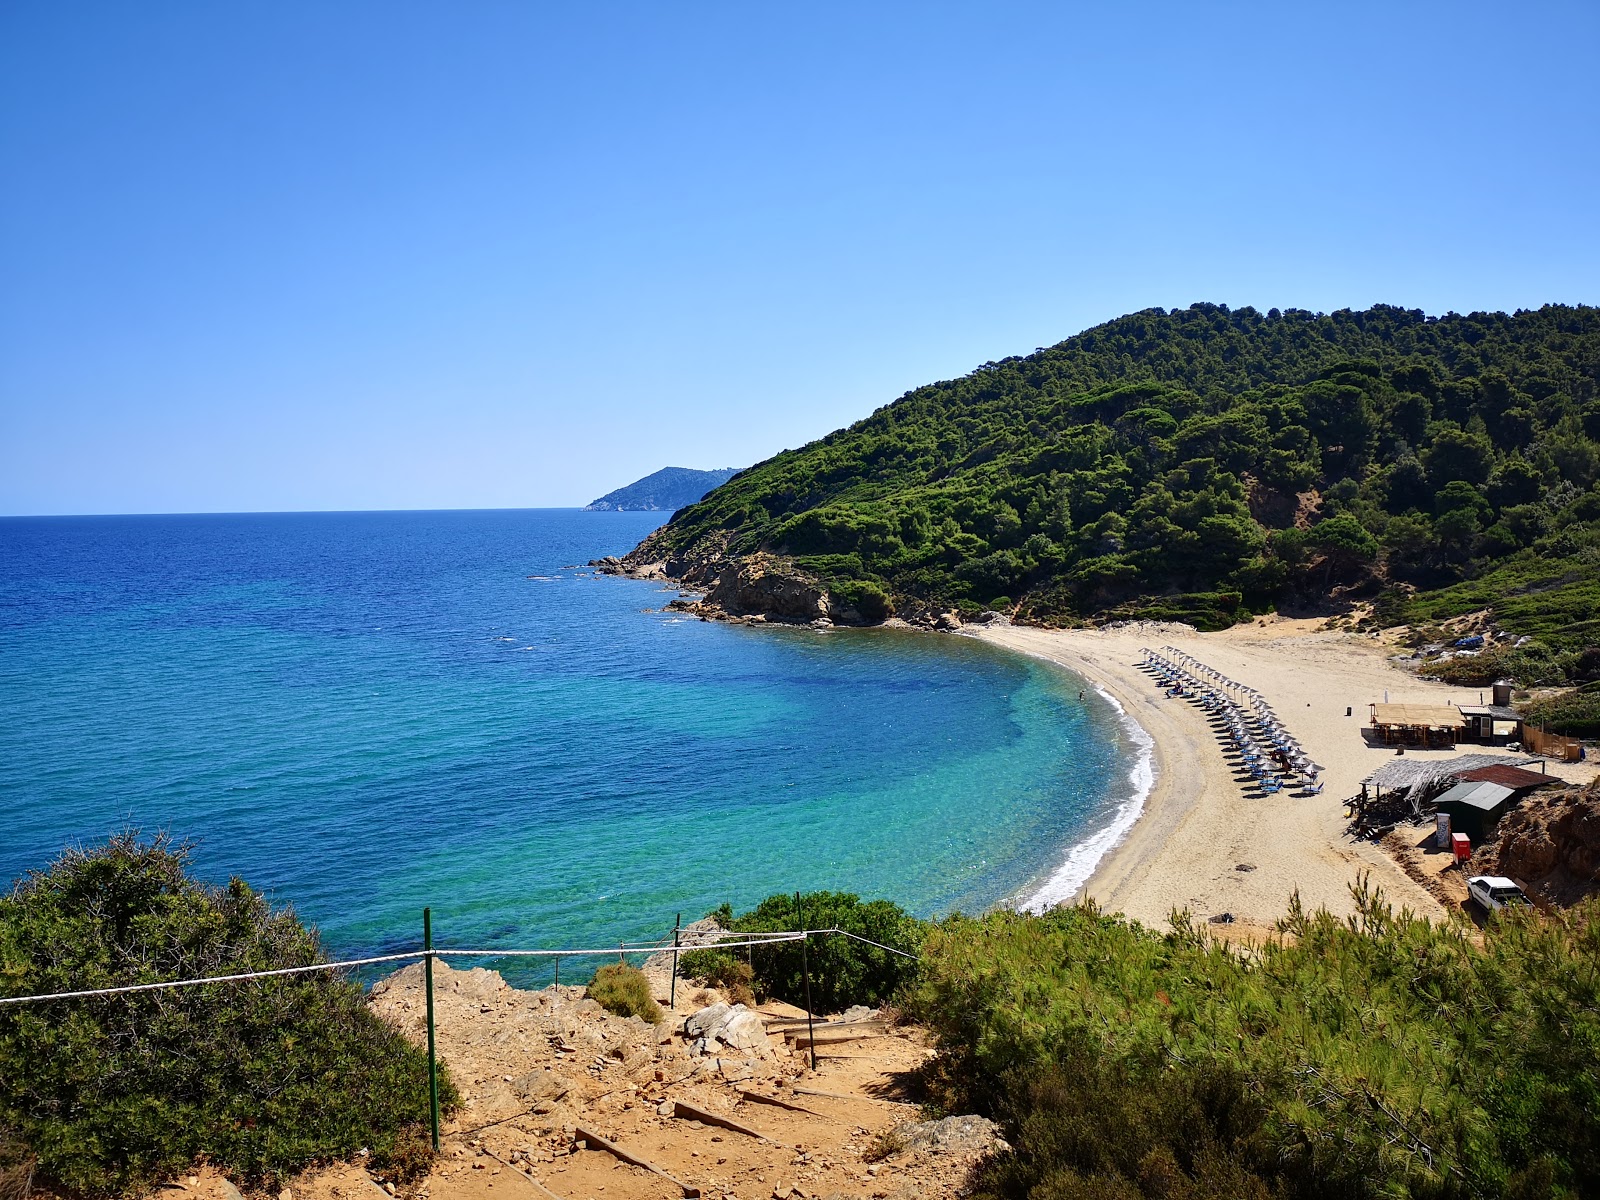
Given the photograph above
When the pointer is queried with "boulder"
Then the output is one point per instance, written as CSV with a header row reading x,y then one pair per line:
x,y
760,584
965,1135
541,1086
745,1031
707,1020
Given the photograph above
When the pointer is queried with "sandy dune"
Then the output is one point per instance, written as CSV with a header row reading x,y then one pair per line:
x,y
1199,824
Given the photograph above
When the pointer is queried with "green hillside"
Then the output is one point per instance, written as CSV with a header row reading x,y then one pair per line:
x,y
1207,463
668,488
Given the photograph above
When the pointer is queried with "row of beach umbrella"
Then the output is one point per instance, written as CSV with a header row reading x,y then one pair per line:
x,y
1257,733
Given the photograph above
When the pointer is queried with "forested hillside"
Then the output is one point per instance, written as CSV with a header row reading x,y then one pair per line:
x,y
666,489
1207,463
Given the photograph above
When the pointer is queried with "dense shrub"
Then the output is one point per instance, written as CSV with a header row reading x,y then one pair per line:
x,y
260,1078
1383,1056
1575,713
843,970
1533,665
625,991
866,597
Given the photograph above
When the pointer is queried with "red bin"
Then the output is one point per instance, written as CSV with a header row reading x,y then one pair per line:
x,y
1462,846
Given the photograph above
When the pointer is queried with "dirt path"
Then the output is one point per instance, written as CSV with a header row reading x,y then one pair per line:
x,y
540,1070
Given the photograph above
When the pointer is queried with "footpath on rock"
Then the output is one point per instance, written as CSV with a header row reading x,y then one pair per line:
x,y
560,1098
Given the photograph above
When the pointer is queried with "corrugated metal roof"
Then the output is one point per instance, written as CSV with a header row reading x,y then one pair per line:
x,y
1484,796
1514,778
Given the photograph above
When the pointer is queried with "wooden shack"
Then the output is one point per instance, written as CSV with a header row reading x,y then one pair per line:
x,y
1494,724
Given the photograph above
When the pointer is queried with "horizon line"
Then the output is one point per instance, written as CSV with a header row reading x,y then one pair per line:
x,y
291,512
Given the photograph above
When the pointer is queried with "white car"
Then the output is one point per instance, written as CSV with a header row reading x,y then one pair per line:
x,y
1495,892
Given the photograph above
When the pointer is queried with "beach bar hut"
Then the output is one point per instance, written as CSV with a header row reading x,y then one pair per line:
x,y
1475,807
1422,724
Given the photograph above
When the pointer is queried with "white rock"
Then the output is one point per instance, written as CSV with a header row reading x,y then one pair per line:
x,y
744,1031
706,1020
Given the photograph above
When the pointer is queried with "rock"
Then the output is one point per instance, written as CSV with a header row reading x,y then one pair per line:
x,y
229,1192
706,1020
967,1135
744,1031
990,617
762,584
543,1086
1550,843
948,622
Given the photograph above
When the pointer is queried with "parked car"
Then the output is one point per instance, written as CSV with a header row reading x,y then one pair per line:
x,y
1495,892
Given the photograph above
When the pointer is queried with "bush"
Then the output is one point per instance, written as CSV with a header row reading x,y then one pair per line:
x,y
1379,1056
113,1094
719,969
625,991
1574,714
866,597
1533,665
843,970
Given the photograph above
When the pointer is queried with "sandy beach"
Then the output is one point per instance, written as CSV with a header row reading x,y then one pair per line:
x,y
1199,825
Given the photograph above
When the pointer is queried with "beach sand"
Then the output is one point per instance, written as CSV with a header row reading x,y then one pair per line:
x,y
1199,826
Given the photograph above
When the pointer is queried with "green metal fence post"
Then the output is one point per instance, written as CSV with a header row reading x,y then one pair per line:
x,y
805,970
433,1058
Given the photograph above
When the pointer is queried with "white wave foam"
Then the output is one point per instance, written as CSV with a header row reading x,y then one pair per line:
x,y
1083,857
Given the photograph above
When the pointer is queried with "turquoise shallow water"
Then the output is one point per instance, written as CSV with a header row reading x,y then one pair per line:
x,y
364,713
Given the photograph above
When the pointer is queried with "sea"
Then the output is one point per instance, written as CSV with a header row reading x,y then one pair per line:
x,y
363,714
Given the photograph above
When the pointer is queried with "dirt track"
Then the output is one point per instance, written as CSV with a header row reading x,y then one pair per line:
x,y
538,1070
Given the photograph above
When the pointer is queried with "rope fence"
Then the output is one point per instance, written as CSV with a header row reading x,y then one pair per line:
x,y
658,947
672,944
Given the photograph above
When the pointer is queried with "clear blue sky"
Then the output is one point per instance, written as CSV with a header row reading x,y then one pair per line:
x,y
290,255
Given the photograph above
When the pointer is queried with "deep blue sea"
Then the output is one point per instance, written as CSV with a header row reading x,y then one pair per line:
x,y
366,713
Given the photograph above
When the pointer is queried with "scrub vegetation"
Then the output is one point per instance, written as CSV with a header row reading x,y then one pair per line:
x,y
844,971
624,991
1382,1055
1205,464
108,1095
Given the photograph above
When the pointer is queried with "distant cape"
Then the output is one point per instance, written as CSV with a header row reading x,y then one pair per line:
x,y
666,490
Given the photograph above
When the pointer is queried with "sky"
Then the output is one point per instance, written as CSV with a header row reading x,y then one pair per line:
x,y
286,255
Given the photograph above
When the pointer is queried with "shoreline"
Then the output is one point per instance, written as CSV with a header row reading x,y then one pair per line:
x,y
1198,840
1083,858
